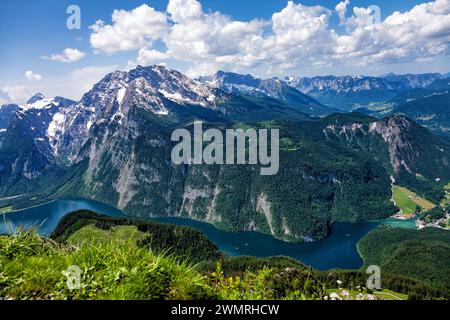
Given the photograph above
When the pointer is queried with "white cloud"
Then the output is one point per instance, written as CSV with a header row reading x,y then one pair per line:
x,y
341,9
415,35
83,79
149,56
362,17
130,30
32,76
184,10
301,36
208,38
14,94
296,37
67,56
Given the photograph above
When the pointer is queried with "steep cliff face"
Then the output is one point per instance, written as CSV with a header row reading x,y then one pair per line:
x,y
394,132
410,147
128,165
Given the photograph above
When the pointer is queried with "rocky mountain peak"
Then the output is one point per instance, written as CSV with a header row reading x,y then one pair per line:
x,y
171,84
274,88
35,98
40,102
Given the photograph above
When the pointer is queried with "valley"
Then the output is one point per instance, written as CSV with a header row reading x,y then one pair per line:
x,y
219,159
180,269
114,146
341,245
110,153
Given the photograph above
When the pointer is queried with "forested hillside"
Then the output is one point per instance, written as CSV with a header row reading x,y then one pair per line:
x,y
419,254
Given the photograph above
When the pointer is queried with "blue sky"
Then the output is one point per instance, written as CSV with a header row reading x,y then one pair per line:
x,y
31,30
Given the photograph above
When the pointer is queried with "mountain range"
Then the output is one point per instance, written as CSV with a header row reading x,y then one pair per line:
x,y
351,92
427,106
114,146
269,88
323,95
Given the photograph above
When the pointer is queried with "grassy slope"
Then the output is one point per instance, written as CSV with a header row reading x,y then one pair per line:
x,y
381,294
114,267
231,265
185,242
90,235
32,268
407,200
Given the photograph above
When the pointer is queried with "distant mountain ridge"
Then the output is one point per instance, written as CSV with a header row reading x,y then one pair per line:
x,y
273,88
413,81
350,92
429,106
431,110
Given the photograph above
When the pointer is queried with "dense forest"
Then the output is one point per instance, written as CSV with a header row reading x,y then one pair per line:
x,y
419,254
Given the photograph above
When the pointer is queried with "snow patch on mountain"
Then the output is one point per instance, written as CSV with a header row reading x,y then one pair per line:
x,y
44,103
121,95
176,97
55,129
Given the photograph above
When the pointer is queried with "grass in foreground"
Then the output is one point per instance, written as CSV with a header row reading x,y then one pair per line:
x,y
115,268
115,263
33,268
